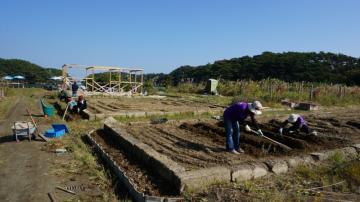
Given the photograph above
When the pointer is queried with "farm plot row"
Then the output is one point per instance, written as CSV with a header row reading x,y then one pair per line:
x,y
202,144
124,105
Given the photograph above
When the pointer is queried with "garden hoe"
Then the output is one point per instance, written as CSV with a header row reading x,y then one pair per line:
x,y
248,129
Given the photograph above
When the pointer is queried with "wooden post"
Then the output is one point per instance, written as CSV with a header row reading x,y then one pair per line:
x,y
119,80
64,74
110,80
86,81
93,79
36,128
52,197
67,106
142,81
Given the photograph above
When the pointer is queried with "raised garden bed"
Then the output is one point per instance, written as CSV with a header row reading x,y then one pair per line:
x,y
190,155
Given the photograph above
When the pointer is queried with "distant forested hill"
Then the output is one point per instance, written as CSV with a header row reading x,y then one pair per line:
x,y
32,72
289,66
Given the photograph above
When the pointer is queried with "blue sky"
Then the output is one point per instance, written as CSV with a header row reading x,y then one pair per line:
x,y
161,35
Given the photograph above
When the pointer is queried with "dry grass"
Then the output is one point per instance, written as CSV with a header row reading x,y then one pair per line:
x,y
6,104
82,162
339,177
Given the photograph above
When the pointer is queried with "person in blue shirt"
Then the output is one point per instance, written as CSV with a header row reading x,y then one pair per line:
x,y
236,114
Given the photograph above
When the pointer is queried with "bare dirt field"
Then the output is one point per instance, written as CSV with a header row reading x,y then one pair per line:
x,y
31,170
201,144
146,104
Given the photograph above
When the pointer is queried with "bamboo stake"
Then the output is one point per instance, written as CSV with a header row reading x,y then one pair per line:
x,y
67,106
36,128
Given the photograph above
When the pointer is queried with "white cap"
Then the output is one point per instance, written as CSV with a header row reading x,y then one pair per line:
x,y
255,107
293,118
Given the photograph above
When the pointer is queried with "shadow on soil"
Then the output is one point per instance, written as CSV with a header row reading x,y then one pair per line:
x,y
118,188
8,138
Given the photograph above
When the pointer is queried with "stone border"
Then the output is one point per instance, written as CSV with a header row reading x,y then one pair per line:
x,y
131,188
166,168
99,116
247,171
200,179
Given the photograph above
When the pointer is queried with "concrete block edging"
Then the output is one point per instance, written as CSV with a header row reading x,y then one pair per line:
x,y
118,171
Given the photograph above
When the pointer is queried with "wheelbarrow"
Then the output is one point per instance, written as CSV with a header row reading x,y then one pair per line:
x,y
23,128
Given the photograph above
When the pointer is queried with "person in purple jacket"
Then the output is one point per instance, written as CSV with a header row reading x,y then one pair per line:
x,y
298,124
236,114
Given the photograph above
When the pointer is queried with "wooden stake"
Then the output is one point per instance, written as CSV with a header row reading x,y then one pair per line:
x,y
67,106
52,197
36,128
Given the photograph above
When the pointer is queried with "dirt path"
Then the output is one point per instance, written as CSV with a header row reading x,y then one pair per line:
x,y
23,166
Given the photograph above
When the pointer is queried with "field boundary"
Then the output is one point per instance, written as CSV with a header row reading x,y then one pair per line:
x,y
100,116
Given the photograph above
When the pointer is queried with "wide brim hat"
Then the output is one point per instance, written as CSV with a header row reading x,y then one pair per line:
x,y
293,118
255,107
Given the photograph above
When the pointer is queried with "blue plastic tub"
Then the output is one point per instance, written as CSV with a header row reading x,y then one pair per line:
x,y
58,130
51,133
60,126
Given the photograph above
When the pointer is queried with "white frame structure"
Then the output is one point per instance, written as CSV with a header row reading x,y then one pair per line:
x,y
129,81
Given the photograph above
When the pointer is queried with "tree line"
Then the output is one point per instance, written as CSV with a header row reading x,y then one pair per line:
x,y
33,73
288,66
322,67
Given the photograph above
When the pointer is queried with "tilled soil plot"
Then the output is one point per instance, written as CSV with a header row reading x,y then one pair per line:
x,y
120,105
146,181
202,144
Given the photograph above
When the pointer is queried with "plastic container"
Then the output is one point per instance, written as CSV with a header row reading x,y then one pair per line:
x,y
51,133
47,109
58,130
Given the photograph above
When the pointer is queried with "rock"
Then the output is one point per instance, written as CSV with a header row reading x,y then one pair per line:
x,y
294,162
349,151
357,147
202,178
241,173
259,170
319,156
277,167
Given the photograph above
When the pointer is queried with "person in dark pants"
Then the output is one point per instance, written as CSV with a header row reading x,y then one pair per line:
x,y
298,124
74,89
81,104
236,114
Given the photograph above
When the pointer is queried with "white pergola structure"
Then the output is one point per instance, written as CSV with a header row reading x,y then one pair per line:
x,y
122,81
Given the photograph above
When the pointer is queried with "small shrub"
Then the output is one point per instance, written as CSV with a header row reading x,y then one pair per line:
x,y
352,172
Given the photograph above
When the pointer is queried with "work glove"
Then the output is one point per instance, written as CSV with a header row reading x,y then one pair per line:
x,y
247,128
281,131
259,133
314,133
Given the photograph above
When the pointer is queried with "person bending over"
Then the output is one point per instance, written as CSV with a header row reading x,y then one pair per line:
x,y
235,114
298,124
